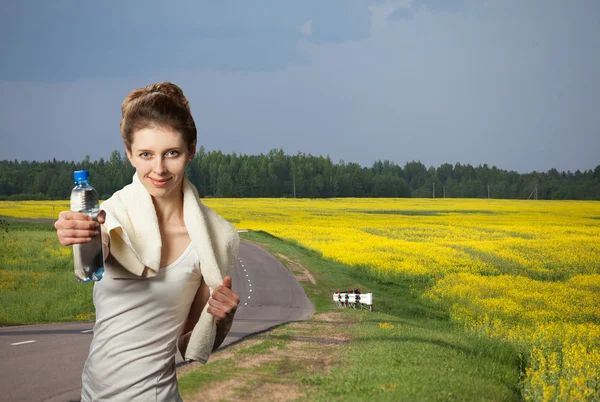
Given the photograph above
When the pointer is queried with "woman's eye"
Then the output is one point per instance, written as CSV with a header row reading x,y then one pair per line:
x,y
172,153
144,154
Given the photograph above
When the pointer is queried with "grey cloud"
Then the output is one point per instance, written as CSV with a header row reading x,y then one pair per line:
x,y
499,83
62,41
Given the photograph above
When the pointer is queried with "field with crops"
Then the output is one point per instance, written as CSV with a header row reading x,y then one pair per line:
x,y
36,277
524,271
527,272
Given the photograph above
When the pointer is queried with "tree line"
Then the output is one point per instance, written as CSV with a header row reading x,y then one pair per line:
x,y
276,174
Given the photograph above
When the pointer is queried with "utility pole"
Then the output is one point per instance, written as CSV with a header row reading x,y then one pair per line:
x,y
433,190
534,193
488,191
294,187
444,187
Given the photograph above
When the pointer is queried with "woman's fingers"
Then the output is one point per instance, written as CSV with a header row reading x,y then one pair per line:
x,y
223,303
68,241
216,312
78,220
74,216
78,234
225,307
218,309
101,217
75,228
67,238
71,224
225,295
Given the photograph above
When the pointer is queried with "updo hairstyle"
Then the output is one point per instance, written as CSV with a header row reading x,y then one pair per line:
x,y
158,105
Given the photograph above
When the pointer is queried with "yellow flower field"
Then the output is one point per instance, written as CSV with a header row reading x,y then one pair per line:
x,y
524,271
527,272
33,209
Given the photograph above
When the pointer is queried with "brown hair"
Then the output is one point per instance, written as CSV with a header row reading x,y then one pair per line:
x,y
162,105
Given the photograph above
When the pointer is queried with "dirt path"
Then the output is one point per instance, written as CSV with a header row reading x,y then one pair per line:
x,y
35,220
279,365
301,273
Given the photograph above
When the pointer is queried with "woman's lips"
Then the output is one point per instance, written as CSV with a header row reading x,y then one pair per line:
x,y
159,183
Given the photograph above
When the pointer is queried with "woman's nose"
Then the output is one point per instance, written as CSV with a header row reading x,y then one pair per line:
x,y
159,166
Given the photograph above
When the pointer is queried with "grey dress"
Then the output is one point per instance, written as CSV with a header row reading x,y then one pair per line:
x,y
132,354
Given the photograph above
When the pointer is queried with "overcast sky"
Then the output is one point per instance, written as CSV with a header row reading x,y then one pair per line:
x,y
511,83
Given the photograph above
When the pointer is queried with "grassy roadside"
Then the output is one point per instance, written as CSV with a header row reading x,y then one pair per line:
x,y
37,284
406,350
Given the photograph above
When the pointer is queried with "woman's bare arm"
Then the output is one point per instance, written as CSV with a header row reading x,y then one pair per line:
x,y
202,295
223,305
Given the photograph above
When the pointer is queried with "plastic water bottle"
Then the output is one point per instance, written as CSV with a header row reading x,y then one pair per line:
x,y
88,257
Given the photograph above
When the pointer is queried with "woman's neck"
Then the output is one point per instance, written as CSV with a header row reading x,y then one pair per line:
x,y
169,209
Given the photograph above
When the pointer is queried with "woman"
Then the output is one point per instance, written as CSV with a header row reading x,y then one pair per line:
x,y
157,262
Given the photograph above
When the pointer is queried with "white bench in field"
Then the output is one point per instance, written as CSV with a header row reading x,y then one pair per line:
x,y
354,300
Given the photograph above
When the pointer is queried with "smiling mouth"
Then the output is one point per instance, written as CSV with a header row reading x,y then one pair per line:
x,y
159,183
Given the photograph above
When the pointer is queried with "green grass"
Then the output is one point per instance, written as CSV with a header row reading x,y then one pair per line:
x,y
37,284
425,355
263,347
419,360
22,224
214,372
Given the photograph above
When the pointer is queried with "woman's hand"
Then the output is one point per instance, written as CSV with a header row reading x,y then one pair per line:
x,y
77,227
223,304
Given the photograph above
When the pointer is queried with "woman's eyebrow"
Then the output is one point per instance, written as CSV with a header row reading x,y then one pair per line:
x,y
166,150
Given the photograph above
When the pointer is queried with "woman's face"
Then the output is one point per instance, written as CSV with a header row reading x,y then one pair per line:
x,y
159,156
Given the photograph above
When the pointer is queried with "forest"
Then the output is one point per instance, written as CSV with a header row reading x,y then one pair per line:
x,y
276,174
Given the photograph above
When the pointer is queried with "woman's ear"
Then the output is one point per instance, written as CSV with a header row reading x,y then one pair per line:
x,y
192,151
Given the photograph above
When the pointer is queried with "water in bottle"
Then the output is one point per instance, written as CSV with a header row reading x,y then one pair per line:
x,y
88,258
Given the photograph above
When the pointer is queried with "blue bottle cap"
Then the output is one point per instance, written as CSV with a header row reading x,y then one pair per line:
x,y
81,175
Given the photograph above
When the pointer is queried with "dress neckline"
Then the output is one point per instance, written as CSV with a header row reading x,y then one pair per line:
x,y
178,260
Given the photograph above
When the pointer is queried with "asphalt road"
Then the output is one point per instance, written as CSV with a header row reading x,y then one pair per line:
x,y
44,362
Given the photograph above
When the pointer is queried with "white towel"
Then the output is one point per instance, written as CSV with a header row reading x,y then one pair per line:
x,y
135,243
